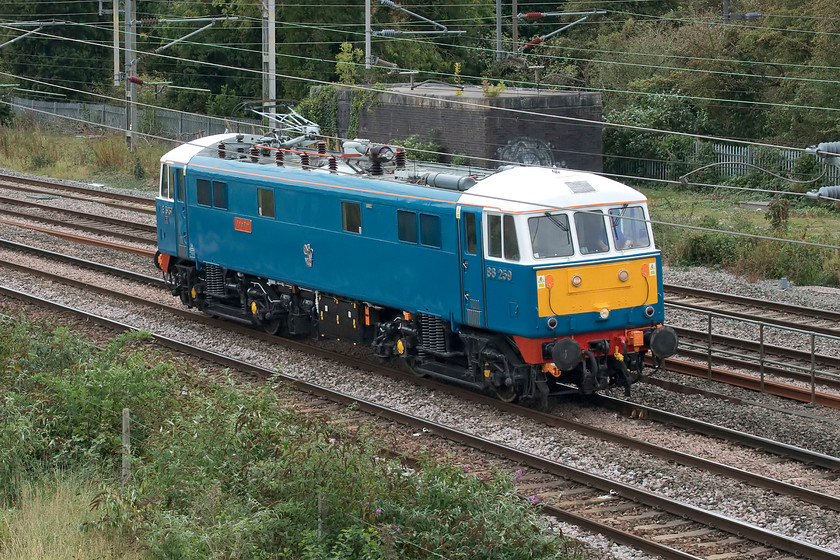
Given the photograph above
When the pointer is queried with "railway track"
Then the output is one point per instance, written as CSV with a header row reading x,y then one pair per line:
x,y
773,314
623,506
125,230
758,357
697,369
131,203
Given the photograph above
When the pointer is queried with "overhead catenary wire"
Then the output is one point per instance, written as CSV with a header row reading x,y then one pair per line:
x,y
595,122
452,101
719,100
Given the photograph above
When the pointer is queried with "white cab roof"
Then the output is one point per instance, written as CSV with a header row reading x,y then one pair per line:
x,y
535,189
185,152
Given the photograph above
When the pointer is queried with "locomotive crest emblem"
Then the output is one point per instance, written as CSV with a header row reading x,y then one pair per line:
x,y
308,252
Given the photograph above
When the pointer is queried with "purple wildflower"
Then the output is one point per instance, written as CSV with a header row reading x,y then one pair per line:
x,y
517,474
534,499
378,511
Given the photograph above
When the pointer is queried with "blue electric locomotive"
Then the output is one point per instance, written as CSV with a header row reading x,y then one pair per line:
x,y
528,282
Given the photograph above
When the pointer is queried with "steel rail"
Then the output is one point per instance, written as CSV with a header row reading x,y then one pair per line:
x,y
809,312
791,392
652,499
146,228
82,239
146,205
84,263
637,410
82,227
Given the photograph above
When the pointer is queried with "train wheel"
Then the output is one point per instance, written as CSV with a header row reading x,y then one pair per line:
x,y
506,394
272,327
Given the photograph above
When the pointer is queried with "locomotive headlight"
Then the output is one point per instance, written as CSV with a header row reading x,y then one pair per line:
x,y
577,281
623,275
605,313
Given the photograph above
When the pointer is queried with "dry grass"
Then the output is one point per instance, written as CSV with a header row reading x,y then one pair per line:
x,y
48,525
31,149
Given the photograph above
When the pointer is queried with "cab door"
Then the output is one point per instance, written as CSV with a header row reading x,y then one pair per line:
x,y
167,232
179,188
472,267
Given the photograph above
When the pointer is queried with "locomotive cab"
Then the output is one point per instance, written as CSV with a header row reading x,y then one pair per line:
x,y
572,273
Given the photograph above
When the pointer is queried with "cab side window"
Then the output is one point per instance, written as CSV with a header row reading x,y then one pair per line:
x,y
179,184
511,243
471,234
501,237
494,235
166,181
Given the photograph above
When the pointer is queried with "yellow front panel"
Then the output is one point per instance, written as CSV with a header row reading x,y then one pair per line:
x,y
587,288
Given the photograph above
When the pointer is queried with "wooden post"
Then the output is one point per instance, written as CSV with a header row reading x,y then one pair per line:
x,y
126,447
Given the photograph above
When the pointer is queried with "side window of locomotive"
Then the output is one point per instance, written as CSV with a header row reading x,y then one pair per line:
x,y
502,234
204,192
511,242
591,232
430,230
629,227
407,226
471,234
494,236
165,178
179,184
551,236
351,217
220,199
265,203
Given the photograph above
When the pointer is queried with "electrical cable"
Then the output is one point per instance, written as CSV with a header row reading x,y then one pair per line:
x,y
455,102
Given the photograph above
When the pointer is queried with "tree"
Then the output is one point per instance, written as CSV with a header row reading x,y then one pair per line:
x,y
71,55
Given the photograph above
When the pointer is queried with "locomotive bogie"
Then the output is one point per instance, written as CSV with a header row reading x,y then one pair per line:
x,y
522,284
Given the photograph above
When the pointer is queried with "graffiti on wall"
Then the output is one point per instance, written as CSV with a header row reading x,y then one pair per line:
x,y
526,150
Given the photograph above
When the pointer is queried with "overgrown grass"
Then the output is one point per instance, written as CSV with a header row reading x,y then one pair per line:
x,y
51,522
28,148
754,256
221,472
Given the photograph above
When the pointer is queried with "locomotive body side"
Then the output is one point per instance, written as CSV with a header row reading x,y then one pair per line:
x,y
493,285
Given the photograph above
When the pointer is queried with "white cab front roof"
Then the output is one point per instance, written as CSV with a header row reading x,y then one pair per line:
x,y
185,152
535,189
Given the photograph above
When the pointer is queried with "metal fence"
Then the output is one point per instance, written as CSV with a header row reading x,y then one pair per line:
x,y
167,123
734,160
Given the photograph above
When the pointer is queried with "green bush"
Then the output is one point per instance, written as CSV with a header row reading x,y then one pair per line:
x,y
218,471
421,150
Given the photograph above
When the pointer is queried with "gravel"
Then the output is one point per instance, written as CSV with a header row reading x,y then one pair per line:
x,y
793,423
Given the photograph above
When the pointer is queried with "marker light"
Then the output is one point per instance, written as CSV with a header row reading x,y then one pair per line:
x,y
623,275
605,313
577,281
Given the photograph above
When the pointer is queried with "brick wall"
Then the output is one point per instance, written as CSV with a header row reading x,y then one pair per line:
x,y
471,124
